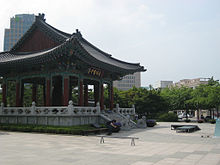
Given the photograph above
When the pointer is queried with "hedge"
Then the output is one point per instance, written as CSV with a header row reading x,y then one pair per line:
x,y
75,130
168,117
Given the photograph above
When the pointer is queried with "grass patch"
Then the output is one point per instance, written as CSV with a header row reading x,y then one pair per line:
x,y
74,130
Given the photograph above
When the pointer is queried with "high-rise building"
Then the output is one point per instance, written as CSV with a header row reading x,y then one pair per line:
x,y
128,82
19,24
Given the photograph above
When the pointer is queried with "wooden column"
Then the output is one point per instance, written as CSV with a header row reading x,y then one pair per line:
x,y
22,94
4,94
96,93
44,93
101,96
66,91
18,93
80,86
86,95
111,93
70,91
48,92
34,92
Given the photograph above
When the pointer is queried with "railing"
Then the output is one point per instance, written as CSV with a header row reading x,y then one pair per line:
x,y
125,111
45,111
62,110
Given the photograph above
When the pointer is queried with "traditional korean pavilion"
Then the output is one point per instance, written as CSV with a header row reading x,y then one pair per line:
x,y
60,62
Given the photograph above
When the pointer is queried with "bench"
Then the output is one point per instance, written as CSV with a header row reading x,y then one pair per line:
x,y
173,127
185,128
120,137
94,131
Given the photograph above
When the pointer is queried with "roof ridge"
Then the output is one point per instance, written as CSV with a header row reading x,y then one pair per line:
x,y
39,22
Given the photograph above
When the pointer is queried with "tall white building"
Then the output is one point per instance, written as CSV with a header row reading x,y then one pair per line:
x,y
163,84
128,82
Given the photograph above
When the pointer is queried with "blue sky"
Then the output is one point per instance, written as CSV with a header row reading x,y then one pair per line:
x,y
173,39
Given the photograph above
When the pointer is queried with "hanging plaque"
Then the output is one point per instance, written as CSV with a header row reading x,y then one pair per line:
x,y
95,72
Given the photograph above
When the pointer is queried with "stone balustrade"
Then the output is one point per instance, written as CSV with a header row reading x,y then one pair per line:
x,y
59,116
125,111
48,111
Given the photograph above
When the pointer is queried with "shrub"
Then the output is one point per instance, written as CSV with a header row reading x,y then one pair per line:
x,y
76,130
200,121
187,120
168,117
212,121
151,122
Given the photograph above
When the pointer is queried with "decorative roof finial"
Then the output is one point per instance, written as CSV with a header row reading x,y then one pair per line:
x,y
78,33
41,16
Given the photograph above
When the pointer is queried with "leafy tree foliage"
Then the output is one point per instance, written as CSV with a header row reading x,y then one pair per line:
x,y
147,102
11,93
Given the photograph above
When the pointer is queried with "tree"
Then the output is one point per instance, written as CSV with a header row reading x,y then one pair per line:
x,y
147,102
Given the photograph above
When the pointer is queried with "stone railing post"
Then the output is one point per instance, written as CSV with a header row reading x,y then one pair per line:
x,y
133,106
33,108
98,108
70,107
117,108
2,108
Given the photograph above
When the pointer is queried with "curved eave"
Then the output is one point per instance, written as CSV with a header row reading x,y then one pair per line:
x,y
82,50
98,57
18,61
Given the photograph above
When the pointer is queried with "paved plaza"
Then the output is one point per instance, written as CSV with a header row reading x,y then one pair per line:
x,y
156,146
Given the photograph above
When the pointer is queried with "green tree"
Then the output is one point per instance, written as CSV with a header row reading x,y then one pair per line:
x,y
147,102
11,93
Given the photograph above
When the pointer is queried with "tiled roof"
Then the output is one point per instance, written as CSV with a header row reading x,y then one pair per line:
x,y
89,53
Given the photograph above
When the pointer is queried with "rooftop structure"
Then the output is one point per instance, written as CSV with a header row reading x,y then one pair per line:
x,y
191,83
163,84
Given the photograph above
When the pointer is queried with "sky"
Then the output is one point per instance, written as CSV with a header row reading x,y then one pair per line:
x,y
172,39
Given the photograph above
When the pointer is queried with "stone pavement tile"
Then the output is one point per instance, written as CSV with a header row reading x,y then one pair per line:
x,y
205,147
191,159
212,159
215,151
201,152
109,159
142,163
168,161
190,147
153,159
179,155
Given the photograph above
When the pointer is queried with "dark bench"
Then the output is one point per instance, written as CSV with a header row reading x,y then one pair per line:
x,y
94,131
120,137
174,127
187,128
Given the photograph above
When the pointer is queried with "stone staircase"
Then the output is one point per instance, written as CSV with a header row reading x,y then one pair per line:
x,y
125,121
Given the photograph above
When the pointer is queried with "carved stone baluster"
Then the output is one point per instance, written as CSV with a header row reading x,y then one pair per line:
x,y
117,108
2,108
98,108
33,108
70,108
133,106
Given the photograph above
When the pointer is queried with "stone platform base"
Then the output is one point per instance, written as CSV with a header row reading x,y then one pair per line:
x,y
52,120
